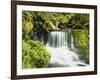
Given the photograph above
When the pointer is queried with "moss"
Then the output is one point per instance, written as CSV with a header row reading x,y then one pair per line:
x,y
83,54
81,41
35,55
27,24
81,38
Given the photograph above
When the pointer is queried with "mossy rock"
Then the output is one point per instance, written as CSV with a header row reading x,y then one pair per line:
x,y
83,54
35,55
81,38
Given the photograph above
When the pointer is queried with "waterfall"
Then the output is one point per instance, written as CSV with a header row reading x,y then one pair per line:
x,y
57,39
72,43
61,54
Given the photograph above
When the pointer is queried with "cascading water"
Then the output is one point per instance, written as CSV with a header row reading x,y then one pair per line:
x,y
61,54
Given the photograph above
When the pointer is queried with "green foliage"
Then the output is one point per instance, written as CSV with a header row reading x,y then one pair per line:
x,y
27,23
81,38
35,55
79,21
47,21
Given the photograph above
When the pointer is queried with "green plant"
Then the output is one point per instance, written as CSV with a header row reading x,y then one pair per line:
x,y
81,38
35,55
27,24
32,21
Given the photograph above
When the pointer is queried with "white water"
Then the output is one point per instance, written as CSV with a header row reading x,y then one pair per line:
x,y
61,55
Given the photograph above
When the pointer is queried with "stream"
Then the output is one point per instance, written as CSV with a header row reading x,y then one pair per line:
x,y
62,53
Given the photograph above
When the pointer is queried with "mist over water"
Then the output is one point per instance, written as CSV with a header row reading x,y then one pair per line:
x,y
62,55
